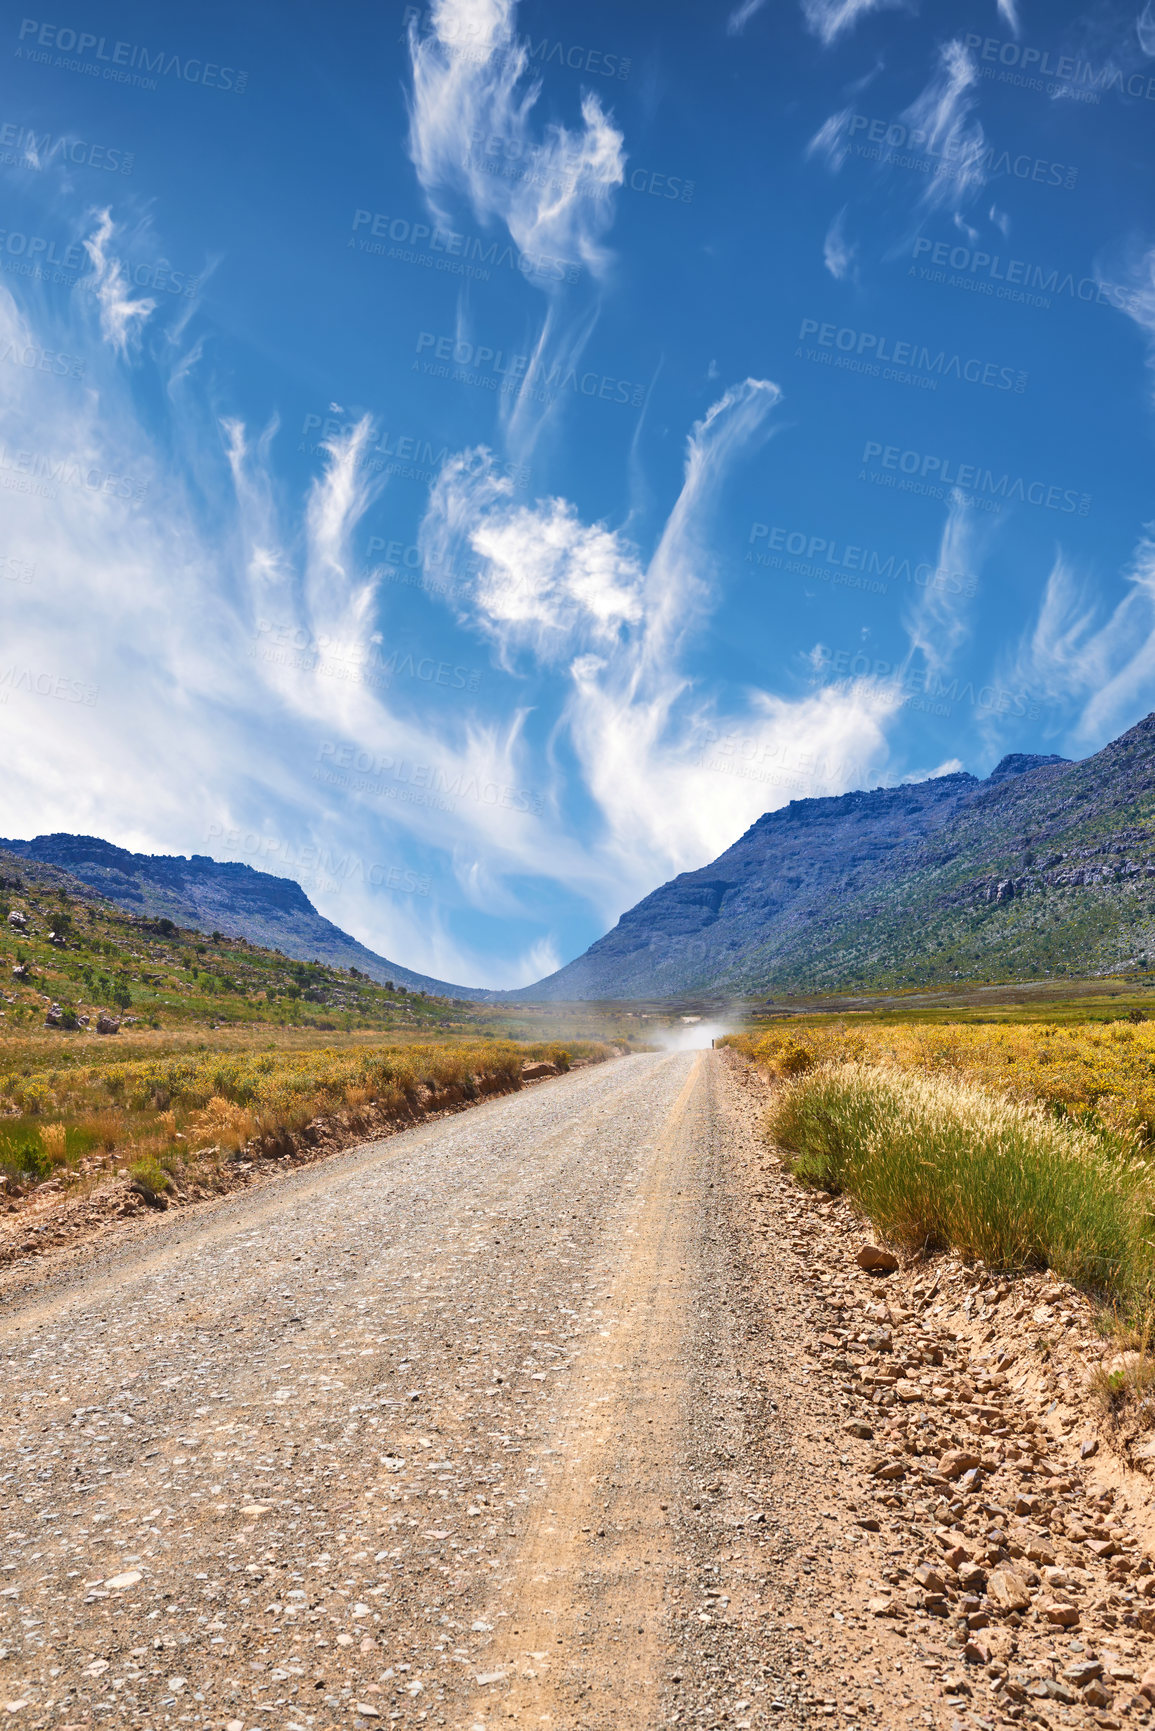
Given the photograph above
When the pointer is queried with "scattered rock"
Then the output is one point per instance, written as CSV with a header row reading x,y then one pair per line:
x,y
876,1260
956,1462
1009,1590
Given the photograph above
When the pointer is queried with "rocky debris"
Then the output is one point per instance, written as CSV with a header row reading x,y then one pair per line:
x,y
16,919
877,1260
106,1024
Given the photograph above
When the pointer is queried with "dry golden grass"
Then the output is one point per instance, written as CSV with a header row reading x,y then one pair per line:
x,y
53,1137
1098,1074
161,1106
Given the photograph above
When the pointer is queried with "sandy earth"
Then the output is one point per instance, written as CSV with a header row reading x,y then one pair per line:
x,y
538,1414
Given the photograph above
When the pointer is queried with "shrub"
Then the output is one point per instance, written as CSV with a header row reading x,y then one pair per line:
x,y
25,1160
937,1162
148,1178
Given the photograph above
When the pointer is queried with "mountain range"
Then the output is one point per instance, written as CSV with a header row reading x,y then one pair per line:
x,y
1044,868
211,895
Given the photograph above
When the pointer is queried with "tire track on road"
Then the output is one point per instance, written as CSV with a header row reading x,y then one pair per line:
x,y
588,1613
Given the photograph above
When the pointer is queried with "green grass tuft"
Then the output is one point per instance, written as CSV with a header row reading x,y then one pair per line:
x,y
938,1163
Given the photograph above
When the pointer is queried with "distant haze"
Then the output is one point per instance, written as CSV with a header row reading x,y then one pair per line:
x,y
690,1036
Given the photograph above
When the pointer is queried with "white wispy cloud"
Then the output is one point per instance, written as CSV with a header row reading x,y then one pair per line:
x,y
1145,28
742,15
1009,13
122,317
1095,666
945,110
832,140
830,19
937,621
471,81
838,253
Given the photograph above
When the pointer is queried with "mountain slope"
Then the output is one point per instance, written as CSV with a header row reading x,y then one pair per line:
x,y
1047,867
222,896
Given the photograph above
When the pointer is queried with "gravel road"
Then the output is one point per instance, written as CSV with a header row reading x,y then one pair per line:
x,y
407,1436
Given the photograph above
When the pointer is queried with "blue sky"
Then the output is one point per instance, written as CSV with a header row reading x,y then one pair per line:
x,y
476,458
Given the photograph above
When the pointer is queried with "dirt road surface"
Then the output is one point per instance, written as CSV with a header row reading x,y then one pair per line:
x,y
508,1418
